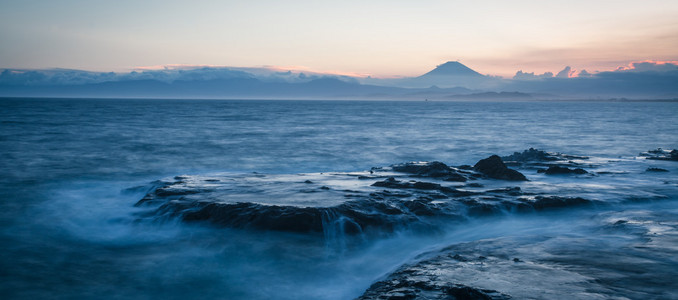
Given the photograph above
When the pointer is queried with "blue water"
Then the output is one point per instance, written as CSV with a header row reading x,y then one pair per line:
x,y
68,221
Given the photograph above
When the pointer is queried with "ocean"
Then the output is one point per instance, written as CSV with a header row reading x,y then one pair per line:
x,y
72,172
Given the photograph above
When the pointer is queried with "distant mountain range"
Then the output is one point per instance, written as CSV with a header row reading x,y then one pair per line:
x,y
450,80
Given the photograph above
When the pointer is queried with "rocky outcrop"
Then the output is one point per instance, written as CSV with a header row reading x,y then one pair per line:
x,y
558,170
533,155
629,261
494,167
433,169
409,196
661,154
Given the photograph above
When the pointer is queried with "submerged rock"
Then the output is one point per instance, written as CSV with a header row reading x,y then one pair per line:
x,y
656,170
494,167
558,170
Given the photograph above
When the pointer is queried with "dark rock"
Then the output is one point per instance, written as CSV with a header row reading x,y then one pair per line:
x,y
417,185
459,258
558,170
656,170
429,169
462,292
534,155
169,191
530,155
308,181
661,154
494,167
433,169
455,177
401,286
513,191
542,202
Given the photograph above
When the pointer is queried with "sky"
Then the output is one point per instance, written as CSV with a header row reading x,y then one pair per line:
x,y
378,38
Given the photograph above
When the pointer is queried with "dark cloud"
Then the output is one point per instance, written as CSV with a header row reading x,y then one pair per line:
x,y
650,66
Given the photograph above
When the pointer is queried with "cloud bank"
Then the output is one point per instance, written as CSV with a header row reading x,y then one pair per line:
x,y
638,79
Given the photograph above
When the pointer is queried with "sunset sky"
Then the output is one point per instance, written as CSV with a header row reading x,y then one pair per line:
x,y
378,38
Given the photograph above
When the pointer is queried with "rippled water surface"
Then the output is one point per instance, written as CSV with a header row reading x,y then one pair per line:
x,y
71,171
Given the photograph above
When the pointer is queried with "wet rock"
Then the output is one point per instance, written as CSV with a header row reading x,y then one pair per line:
x,y
407,284
257,216
433,169
656,170
494,167
455,177
410,205
530,155
459,258
422,289
460,292
513,191
550,202
534,155
661,154
558,170
391,182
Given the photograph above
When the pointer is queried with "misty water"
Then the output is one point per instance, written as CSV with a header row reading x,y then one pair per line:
x,y
72,170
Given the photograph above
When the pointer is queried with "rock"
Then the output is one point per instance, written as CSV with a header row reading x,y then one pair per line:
x,y
460,292
558,170
433,169
397,184
656,170
494,167
530,155
455,177
661,154
534,155
423,289
549,202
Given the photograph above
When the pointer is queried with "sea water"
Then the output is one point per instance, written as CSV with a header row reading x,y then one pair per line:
x,y
71,171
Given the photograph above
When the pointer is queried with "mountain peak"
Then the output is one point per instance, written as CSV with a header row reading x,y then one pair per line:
x,y
452,68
